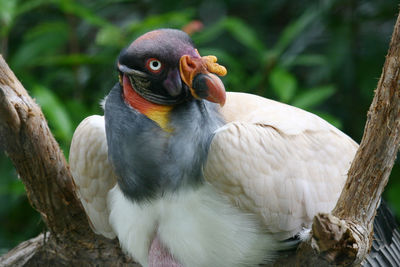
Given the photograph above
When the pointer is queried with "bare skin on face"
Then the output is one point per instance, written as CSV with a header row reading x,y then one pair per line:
x,y
160,256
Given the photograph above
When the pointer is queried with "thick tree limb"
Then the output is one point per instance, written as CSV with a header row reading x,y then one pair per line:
x,y
29,143
344,237
41,165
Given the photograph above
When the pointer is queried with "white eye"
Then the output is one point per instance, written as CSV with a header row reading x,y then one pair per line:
x,y
154,65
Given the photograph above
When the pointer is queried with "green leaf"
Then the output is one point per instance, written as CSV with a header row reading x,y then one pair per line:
x,y
296,28
43,40
77,9
209,33
310,60
165,20
304,60
78,110
110,36
8,10
14,187
54,111
71,60
244,34
27,6
283,83
314,96
393,192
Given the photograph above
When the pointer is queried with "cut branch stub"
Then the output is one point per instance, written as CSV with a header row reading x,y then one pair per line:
x,y
337,241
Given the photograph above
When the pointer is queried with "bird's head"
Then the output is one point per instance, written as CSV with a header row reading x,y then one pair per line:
x,y
161,73
162,67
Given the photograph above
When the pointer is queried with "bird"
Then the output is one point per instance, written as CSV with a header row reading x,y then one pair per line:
x,y
184,173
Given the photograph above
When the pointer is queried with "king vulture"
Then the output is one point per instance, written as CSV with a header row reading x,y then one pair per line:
x,y
185,174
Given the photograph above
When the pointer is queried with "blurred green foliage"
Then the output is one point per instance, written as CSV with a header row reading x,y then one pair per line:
x,y
323,56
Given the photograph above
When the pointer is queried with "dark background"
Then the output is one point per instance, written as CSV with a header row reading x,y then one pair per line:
x,y
322,56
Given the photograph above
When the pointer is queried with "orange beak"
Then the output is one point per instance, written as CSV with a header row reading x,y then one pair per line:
x,y
199,76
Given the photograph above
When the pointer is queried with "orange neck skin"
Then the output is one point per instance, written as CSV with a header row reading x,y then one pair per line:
x,y
156,112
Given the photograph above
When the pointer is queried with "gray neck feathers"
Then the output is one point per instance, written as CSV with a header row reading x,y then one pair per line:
x,y
149,161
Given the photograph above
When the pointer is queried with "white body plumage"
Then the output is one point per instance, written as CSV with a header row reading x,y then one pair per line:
x,y
199,227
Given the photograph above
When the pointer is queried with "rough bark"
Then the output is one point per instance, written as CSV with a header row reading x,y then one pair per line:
x,y
41,165
342,237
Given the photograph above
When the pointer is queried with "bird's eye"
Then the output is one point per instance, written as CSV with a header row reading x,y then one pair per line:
x,y
154,65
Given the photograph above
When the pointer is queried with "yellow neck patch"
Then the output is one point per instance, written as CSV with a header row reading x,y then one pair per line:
x,y
156,112
160,115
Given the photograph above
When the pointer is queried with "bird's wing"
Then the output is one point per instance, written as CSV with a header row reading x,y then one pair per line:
x,y
278,161
92,172
385,250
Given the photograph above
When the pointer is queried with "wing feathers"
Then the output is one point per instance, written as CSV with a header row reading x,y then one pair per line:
x,y
92,172
281,163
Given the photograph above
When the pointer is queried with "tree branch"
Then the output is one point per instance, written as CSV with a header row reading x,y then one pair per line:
x,y
42,167
29,143
344,237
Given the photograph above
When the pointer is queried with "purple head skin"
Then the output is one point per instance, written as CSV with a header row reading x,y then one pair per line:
x,y
178,63
173,83
166,46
